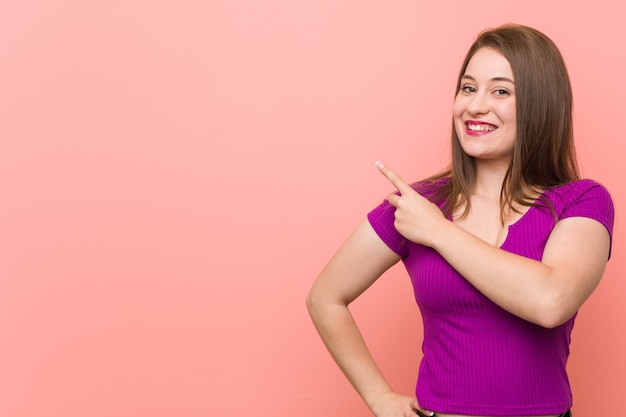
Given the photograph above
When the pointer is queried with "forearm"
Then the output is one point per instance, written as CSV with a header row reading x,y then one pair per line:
x,y
527,288
345,343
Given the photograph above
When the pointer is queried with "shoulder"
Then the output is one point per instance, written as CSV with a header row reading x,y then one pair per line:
x,y
584,190
583,198
430,187
581,185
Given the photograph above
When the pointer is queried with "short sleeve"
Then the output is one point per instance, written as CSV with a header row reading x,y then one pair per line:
x,y
591,200
382,221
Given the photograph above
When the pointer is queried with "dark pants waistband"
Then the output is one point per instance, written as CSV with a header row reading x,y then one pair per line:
x,y
568,413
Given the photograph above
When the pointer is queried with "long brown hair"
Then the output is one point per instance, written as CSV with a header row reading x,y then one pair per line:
x,y
544,155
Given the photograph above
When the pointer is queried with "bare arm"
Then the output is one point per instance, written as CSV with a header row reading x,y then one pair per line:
x,y
546,292
356,266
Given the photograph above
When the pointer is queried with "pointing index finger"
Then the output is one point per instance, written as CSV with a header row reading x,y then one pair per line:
x,y
394,178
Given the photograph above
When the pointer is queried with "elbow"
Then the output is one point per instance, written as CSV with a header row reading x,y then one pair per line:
x,y
317,307
550,321
310,302
320,303
555,312
314,302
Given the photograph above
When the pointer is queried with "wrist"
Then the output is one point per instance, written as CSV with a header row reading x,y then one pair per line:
x,y
375,398
441,237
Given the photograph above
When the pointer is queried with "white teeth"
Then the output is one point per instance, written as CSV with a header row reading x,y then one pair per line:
x,y
481,128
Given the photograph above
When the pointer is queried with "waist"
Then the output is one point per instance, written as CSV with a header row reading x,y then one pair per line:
x,y
462,415
566,414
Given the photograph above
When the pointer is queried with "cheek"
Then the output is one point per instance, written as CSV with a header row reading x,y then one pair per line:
x,y
457,111
510,114
457,107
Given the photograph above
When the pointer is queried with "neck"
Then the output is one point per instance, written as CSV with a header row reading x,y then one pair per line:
x,y
489,180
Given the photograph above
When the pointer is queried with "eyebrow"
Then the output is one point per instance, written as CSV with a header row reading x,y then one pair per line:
x,y
493,79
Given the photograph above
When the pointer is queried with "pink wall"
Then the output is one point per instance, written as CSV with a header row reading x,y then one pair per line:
x,y
175,173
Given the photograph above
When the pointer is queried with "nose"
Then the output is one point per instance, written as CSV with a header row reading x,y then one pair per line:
x,y
479,104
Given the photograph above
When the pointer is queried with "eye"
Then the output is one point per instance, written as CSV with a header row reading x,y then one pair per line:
x,y
468,89
502,92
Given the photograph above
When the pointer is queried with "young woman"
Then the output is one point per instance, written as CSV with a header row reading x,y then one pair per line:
x,y
502,248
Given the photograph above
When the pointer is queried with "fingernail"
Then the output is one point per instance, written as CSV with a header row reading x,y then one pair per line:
x,y
379,164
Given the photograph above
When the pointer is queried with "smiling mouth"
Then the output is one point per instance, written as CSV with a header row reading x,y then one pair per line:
x,y
482,127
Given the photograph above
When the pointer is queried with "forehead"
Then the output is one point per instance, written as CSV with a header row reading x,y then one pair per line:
x,y
488,63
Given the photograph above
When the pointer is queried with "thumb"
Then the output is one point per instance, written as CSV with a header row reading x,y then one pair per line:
x,y
425,413
421,411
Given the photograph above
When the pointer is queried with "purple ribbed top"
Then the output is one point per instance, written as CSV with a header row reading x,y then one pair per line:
x,y
478,358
